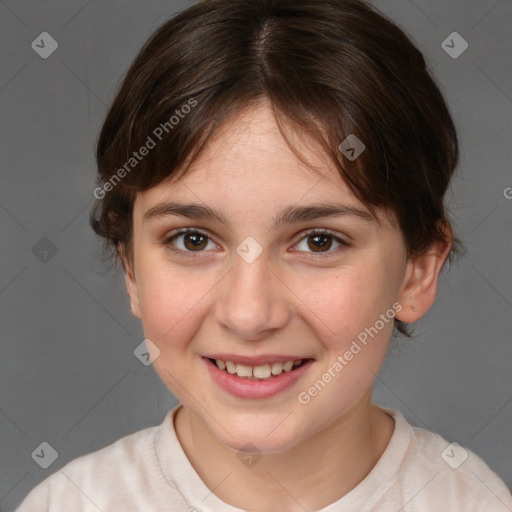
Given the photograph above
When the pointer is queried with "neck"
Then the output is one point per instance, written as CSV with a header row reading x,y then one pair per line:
x,y
311,475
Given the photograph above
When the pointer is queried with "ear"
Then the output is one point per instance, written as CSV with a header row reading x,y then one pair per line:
x,y
131,282
419,287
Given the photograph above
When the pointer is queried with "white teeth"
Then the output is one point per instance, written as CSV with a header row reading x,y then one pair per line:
x,y
277,368
263,371
288,366
230,367
243,370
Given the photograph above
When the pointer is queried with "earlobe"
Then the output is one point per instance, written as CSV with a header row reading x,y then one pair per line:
x,y
420,282
131,286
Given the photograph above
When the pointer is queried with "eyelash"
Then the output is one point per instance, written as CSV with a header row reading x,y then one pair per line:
x,y
197,254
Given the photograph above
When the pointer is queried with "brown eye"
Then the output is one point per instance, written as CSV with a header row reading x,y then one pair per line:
x,y
188,241
319,243
193,241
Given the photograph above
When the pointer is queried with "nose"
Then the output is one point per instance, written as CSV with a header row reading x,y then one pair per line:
x,y
252,300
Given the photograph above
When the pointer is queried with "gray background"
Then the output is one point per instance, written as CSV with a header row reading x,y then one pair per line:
x,y
68,374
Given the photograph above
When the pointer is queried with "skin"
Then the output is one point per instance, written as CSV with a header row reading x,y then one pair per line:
x,y
290,300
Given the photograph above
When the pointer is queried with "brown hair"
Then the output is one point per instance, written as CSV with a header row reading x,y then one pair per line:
x,y
330,68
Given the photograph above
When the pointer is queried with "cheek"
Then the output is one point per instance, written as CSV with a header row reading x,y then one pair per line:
x,y
170,305
344,304
173,302
357,308
166,298
354,335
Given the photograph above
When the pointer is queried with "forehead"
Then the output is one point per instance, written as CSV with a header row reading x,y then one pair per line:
x,y
250,151
249,165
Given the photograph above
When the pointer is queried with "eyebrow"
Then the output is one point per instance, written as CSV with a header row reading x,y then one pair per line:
x,y
290,215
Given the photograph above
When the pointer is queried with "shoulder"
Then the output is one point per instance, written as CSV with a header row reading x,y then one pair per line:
x,y
124,451
445,475
125,466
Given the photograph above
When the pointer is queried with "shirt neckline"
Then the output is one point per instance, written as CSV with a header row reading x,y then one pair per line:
x,y
180,474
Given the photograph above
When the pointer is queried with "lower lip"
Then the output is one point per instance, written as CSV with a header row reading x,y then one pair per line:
x,y
244,388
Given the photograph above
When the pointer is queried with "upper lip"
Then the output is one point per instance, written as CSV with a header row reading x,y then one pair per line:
x,y
255,360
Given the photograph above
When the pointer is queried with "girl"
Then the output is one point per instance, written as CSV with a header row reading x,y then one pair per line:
x,y
272,175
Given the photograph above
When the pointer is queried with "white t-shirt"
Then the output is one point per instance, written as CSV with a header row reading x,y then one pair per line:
x,y
148,471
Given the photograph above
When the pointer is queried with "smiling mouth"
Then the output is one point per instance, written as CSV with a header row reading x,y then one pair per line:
x,y
267,371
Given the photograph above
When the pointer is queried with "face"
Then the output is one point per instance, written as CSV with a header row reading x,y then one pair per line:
x,y
274,280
